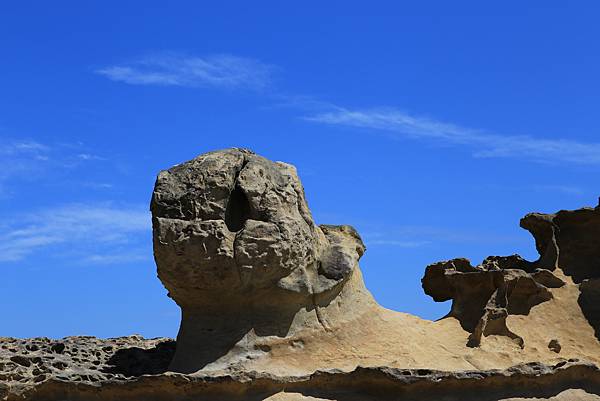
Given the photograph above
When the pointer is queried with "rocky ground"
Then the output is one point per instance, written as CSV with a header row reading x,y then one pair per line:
x,y
133,368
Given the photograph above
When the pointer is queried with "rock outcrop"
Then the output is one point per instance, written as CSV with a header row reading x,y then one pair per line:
x,y
570,240
274,308
485,295
564,381
26,362
238,250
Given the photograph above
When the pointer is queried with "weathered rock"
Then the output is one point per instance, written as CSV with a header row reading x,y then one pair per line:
x,y
238,250
483,296
274,308
26,362
565,381
569,239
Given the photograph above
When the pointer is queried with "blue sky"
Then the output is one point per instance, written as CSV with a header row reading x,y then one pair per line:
x,y
432,127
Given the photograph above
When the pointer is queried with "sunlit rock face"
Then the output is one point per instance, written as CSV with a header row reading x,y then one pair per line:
x,y
484,296
570,241
238,250
274,308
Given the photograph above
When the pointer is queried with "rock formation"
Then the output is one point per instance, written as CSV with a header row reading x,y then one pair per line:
x,y
274,307
237,248
485,295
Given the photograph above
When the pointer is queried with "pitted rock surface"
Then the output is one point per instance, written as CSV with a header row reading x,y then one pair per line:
x,y
274,307
569,239
81,359
483,296
233,222
237,248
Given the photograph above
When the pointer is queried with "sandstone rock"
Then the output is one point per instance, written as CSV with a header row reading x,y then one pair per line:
x,y
485,295
565,381
238,250
569,239
274,308
28,362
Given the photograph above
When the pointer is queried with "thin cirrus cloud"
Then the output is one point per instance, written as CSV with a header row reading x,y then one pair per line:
x,y
19,156
23,158
418,236
398,243
540,188
232,72
398,124
29,160
76,231
218,71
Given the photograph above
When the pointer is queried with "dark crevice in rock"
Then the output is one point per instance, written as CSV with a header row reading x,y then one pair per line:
x,y
238,210
238,206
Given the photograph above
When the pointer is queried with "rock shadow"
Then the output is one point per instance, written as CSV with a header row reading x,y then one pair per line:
x,y
589,302
135,361
205,338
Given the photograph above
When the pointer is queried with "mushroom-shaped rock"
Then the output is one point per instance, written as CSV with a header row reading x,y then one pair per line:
x,y
237,248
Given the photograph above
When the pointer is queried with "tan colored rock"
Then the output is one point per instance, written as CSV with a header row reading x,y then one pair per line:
x,y
484,296
256,306
237,248
274,307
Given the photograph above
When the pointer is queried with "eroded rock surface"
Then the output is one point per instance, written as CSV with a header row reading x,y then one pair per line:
x,y
569,239
238,250
133,369
27,362
274,308
232,222
483,296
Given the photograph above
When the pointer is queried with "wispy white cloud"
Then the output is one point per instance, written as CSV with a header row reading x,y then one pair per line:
x,y
118,257
565,189
79,229
29,160
399,124
417,236
220,71
21,158
98,185
554,189
23,146
398,243
88,156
